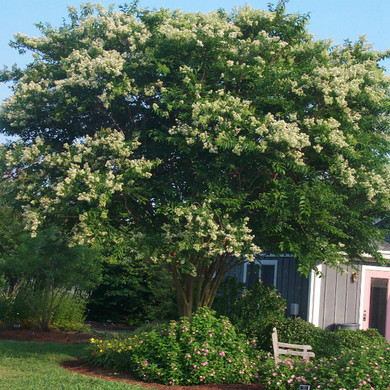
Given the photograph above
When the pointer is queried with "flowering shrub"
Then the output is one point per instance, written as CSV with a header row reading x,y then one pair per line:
x,y
255,313
364,368
204,349
351,340
326,343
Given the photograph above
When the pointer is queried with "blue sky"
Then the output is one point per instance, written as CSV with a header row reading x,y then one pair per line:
x,y
337,19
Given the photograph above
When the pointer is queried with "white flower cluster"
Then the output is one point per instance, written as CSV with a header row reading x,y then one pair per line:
x,y
196,231
217,123
92,171
85,70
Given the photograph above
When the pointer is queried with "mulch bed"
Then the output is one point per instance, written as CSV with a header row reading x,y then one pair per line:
x,y
82,368
61,337
52,336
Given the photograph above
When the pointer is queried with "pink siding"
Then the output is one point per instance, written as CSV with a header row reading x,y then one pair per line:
x,y
371,305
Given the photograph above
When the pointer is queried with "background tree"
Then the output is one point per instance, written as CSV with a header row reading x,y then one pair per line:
x,y
44,270
186,138
148,287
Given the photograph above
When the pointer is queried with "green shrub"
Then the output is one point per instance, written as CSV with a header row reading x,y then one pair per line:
x,y
255,313
132,292
14,310
204,349
150,326
13,306
326,343
229,291
353,340
365,368
44,267
69,316
345,359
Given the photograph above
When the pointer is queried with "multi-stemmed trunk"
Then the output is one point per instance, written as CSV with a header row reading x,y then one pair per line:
x,y
192,291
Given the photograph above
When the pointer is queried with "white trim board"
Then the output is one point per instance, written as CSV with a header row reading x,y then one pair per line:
x,y
362,289
315,282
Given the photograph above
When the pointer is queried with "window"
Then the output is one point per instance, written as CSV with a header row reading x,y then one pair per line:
x,y
264,270
268,272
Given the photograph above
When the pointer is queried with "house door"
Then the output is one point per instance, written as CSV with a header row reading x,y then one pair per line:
x,y
376,306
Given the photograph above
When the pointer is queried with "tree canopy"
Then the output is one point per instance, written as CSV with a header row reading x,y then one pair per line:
x,y
187,138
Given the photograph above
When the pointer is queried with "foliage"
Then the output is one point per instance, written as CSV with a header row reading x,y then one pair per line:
x,y
229,291
13,306
204,349
147,327
11,227
70,314
187,137
364,368
326,343
351,340
45,269
257,311
148,287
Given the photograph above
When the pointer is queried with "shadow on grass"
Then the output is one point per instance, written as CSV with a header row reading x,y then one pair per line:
x,y
26,349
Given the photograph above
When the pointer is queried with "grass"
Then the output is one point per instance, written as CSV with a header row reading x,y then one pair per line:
x,y
36,366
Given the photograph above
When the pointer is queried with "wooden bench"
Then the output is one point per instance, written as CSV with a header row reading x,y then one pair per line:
x,y
289,349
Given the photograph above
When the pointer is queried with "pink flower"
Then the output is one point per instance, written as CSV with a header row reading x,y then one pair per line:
x,y
222,353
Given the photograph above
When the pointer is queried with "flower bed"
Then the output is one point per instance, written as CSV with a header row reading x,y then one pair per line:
x,y
364,368
204,350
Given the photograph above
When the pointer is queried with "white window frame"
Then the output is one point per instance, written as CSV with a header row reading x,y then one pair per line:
x,y
273,262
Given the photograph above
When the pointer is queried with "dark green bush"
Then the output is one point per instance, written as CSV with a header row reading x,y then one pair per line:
x,y
297,331
69,316
150,326
43,269
256,311
14,309
326,343
132,292
229,291
205,349
354,340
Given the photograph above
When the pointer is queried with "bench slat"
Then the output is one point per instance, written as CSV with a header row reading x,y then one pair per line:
x,y
295,353
297,346
289,349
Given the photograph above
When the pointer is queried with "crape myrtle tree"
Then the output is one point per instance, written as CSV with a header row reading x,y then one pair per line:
x,y
196,140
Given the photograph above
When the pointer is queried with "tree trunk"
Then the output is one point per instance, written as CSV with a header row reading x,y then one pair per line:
x,y
193,292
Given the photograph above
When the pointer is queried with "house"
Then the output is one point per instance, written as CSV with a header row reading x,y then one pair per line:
x,y
359,297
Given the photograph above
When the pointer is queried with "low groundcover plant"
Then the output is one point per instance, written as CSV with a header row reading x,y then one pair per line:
x,y
203,349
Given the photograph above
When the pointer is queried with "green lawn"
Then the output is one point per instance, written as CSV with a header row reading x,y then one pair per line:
x,y
36,366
